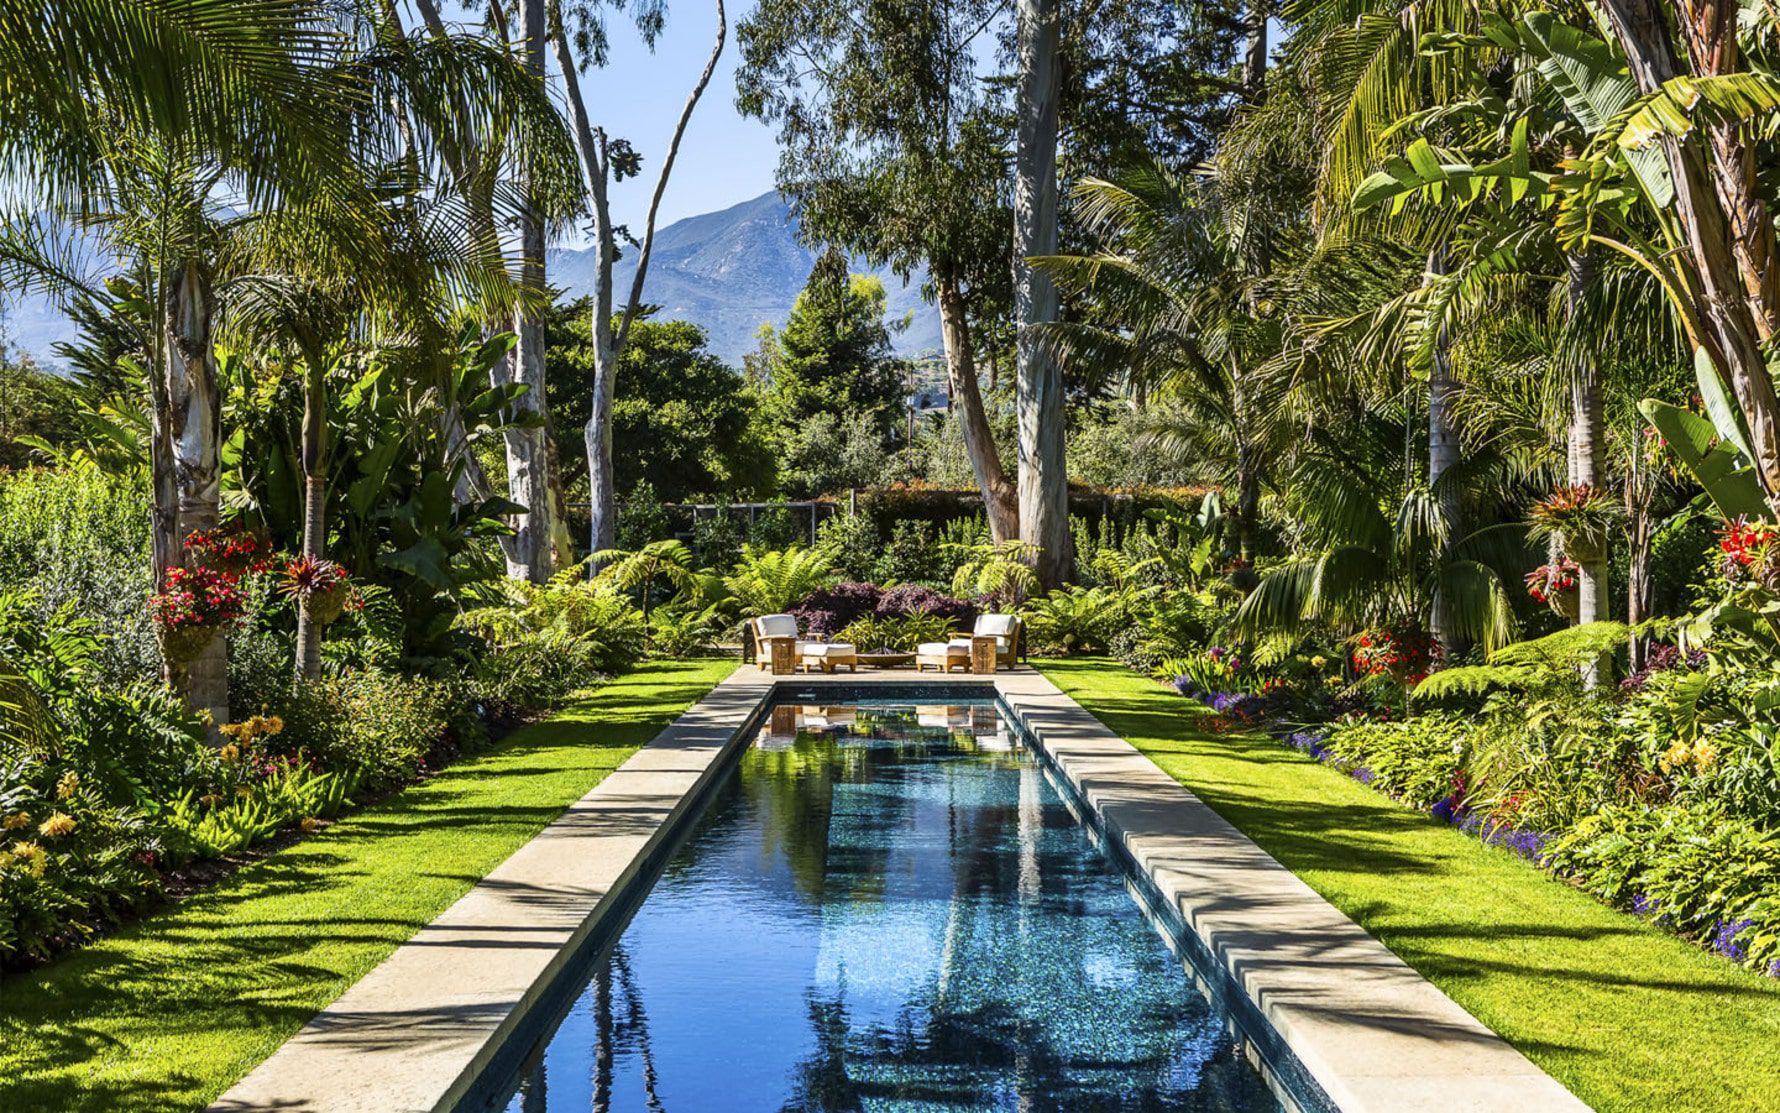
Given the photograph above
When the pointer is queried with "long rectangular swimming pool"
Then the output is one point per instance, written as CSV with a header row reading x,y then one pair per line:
x,y
886,907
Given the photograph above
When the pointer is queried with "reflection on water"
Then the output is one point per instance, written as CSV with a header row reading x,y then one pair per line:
x,y
888,908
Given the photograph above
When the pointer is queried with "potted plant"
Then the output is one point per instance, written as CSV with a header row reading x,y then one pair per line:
x,y
229,549
1556,585
320,587
194,605
1581,516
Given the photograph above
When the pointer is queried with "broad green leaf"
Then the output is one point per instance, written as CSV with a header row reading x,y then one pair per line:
x,y
1720,406
1714,465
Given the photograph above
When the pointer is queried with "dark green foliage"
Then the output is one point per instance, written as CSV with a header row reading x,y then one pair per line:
x,y
76,537
776,528
34,404
383,727
642,518
682,420
1417,761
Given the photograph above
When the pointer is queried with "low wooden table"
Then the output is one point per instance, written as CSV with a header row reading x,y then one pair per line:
x,y
784,656
983,653
892,660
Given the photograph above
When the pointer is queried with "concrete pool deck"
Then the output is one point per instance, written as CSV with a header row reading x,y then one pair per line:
x,y
415,1033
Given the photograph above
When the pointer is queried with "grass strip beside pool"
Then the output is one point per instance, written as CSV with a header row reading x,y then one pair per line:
x,y
167,1014
1625,1015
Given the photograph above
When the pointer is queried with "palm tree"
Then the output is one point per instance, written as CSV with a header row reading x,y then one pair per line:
x,y
131,119
1374,547
1175,305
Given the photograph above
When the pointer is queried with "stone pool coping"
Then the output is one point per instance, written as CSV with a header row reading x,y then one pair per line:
x,y
415,1033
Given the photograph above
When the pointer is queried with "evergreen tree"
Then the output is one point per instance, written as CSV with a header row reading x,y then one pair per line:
x,y
833,356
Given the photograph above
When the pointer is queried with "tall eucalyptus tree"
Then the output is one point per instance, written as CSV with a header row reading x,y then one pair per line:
x,y
889,148
1038,380
577,36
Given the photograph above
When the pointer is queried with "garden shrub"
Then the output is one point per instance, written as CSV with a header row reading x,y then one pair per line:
x,y
512,682
78,537
70,862
908,600
1076,619
384,727
852,543
823,613
1417,760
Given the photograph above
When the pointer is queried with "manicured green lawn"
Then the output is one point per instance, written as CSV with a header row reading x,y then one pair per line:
x,y
1625,1016
166,1015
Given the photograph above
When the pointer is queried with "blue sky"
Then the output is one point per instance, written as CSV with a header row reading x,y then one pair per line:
x,y
724,158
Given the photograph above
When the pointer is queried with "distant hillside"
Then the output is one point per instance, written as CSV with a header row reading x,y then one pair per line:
x,y
734,269
729,271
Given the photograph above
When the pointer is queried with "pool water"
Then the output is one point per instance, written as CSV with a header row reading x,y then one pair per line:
x,y
888,907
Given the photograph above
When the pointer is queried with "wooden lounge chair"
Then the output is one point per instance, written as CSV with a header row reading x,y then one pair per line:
x,y
944,656
805,653
1004,628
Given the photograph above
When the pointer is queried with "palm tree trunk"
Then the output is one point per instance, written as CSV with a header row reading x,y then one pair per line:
x,y
195,409
1254,56
1000,500
1043,472
1443,454
1587,442
315,432
1639,492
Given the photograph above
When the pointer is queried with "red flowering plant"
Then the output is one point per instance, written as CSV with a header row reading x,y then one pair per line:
x,y
229,549
1556,585
1750,554
321,587
193,605
1406,652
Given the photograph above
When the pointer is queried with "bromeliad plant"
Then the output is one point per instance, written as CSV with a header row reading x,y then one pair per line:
x,y
1582,516
321,587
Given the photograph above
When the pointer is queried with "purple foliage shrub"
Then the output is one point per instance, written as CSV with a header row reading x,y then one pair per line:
x,y
908,599
825,613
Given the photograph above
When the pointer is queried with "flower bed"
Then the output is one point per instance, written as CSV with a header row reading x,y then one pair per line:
x,y
1696,868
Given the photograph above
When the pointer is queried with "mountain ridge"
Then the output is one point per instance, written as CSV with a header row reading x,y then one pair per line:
x,y
734,269
729,271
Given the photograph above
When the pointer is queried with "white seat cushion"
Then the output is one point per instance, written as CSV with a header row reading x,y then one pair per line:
x,y
995,625
826,649
776,626
942,649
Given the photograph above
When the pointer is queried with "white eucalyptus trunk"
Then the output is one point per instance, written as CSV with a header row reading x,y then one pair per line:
x,y
1000,499
1043,473
610,329
528,463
